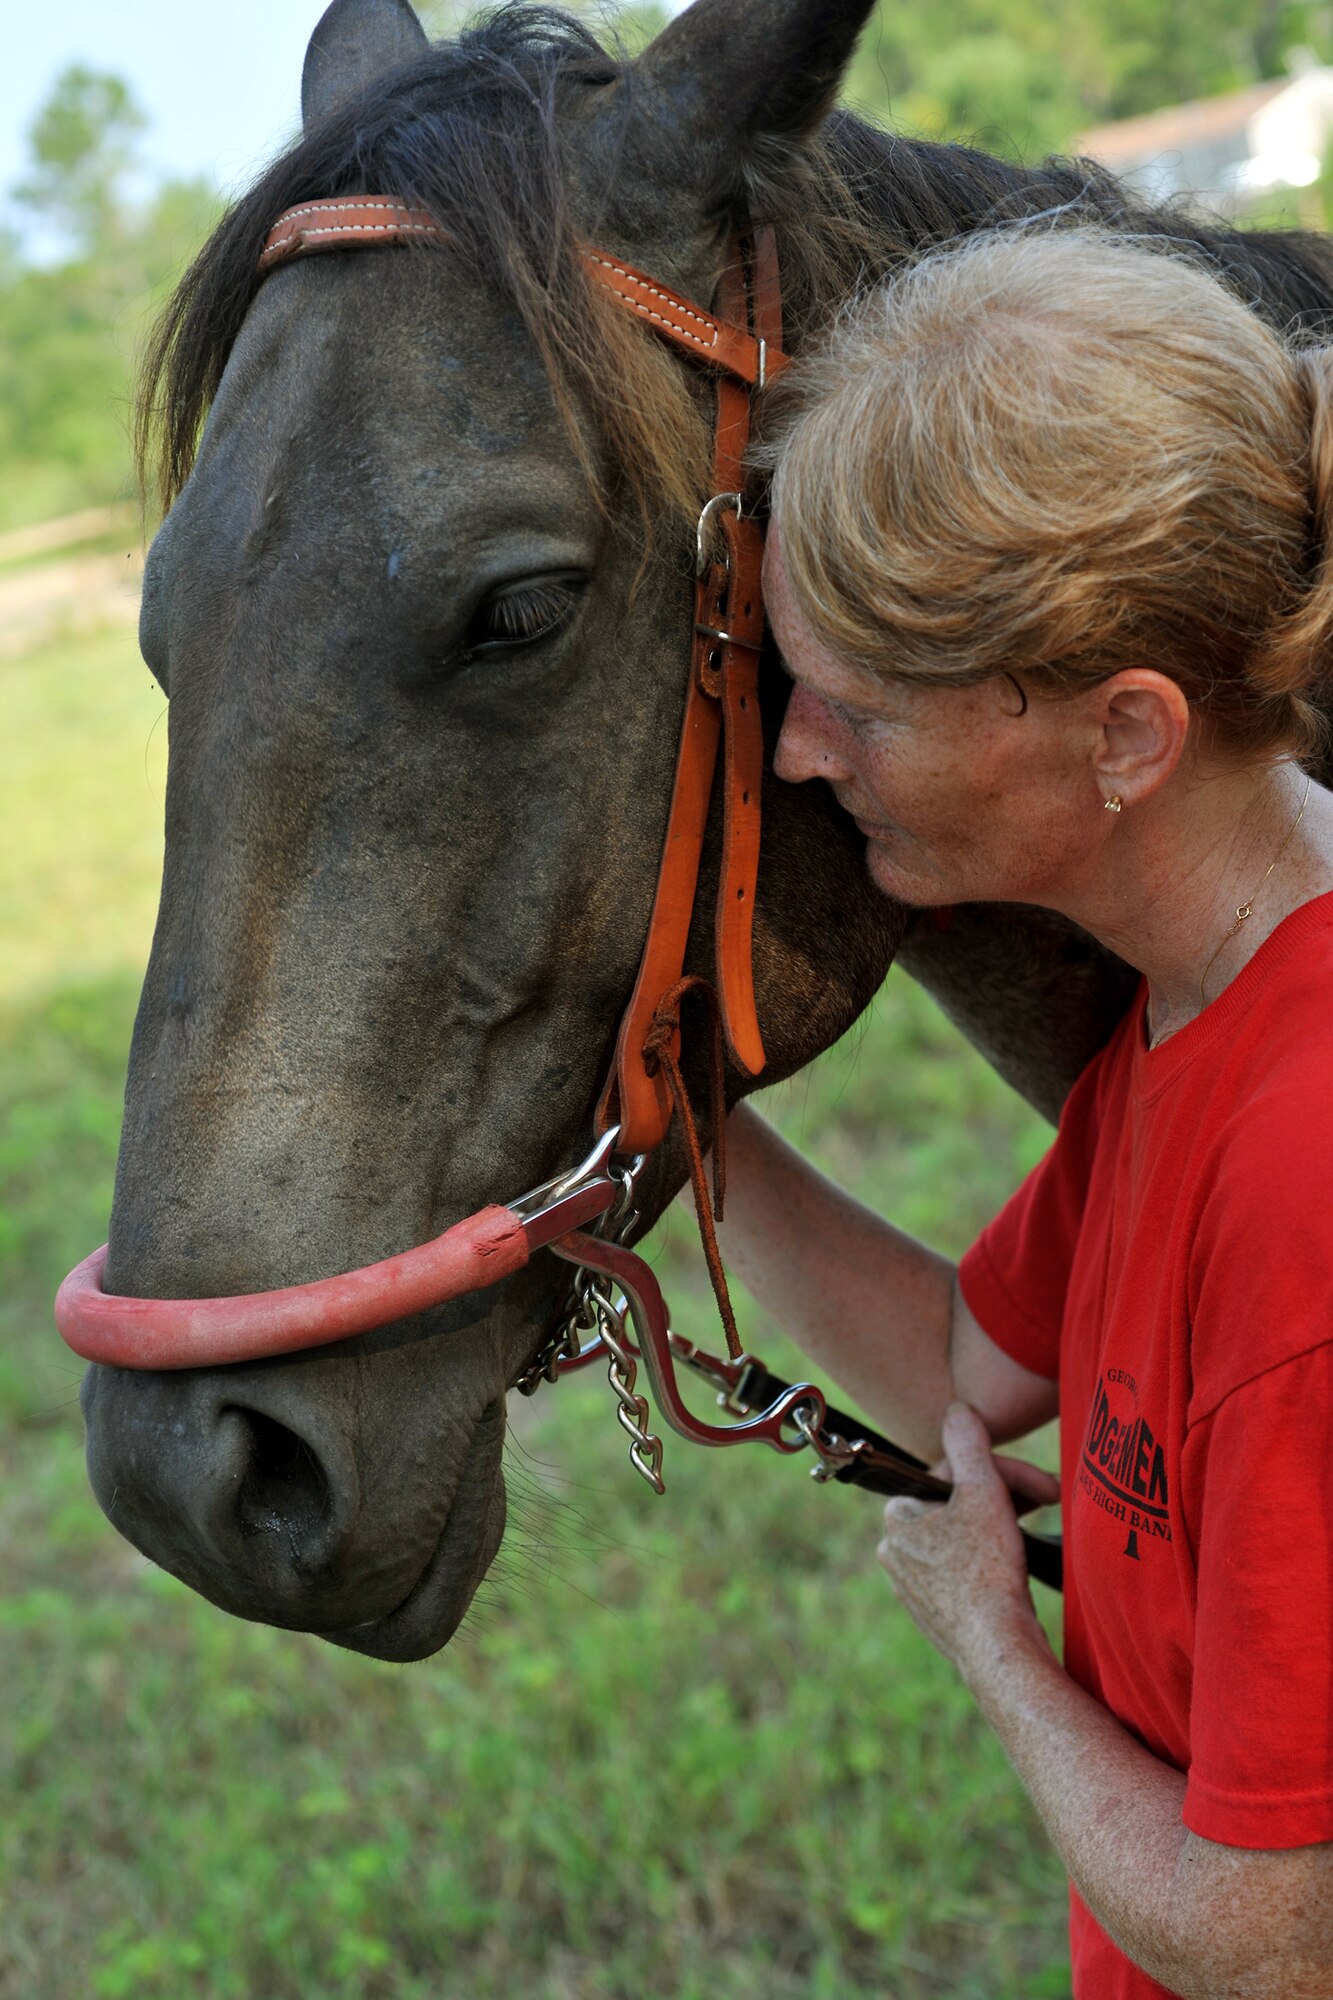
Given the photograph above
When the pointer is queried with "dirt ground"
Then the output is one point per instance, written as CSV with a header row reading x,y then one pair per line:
x,y
53,583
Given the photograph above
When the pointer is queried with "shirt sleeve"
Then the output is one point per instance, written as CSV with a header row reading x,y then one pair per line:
x,y
1261,1713
1016,1275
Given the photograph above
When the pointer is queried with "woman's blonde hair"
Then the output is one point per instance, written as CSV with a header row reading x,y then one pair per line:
x,y
1060,453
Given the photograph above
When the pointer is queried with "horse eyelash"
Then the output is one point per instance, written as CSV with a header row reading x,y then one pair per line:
x,y
519,616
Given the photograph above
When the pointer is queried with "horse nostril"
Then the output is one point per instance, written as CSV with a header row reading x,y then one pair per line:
x,y
284,1488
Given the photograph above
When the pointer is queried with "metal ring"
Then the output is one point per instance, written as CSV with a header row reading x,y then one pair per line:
x,y
803,1416
719,503
560,1184
826,1445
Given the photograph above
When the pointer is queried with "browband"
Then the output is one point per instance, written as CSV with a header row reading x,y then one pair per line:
x,y
359,222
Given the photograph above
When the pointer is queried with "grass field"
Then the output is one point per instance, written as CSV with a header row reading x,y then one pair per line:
x,y
684,1747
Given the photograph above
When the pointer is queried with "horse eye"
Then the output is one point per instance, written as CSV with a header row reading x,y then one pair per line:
x,y
520,614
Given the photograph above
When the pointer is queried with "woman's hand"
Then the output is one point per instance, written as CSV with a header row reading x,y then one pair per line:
x,y
958,1567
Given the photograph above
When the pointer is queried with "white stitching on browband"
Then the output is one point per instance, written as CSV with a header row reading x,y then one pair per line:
x,y
646,285
323,208
367,229
646,312
284,247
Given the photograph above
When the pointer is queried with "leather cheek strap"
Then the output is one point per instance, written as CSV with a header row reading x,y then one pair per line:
x,y
637,1096
722,704
742,782
743,734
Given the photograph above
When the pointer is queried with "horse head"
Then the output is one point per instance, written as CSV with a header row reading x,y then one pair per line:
x,y
422,605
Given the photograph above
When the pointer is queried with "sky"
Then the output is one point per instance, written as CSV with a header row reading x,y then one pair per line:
x,y
221,85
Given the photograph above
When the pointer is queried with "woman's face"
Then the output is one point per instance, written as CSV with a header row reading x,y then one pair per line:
x,y
961,797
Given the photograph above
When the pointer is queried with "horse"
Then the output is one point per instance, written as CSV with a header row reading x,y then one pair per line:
x,y
422,604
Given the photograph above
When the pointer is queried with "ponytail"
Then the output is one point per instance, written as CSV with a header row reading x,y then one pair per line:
x,y
1294,660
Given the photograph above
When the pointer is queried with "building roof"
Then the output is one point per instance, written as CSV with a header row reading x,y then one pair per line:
x,y
1179,128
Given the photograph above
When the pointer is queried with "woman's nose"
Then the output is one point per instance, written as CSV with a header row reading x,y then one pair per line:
x,y
809,746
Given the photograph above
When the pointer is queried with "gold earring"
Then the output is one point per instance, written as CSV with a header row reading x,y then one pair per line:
x,y
1114,803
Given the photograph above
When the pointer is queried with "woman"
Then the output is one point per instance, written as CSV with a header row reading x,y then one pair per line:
x,y
1051,575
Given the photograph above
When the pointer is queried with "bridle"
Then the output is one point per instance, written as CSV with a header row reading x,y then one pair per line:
x,y
584,1215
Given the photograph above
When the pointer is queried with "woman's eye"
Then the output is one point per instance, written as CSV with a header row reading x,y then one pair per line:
x,y
522,613
854,720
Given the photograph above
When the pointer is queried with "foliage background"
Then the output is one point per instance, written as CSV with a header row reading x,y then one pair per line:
x,y
686,1746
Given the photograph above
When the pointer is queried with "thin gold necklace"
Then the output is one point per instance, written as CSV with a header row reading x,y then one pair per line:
x,y
1243,912
1245,909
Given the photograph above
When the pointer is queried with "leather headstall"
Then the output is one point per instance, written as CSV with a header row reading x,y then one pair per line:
x,y
743,342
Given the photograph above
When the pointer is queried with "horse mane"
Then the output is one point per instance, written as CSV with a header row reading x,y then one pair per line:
x,y
902,195
469,131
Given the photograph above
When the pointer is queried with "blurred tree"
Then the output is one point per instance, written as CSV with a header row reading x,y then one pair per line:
x,y
1003,95
82,146
70,331
1024,76
1007,74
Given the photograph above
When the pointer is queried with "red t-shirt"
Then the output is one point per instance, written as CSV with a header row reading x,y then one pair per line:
x,y
1171,1262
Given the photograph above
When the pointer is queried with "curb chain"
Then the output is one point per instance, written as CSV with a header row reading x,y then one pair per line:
x,y
595,1315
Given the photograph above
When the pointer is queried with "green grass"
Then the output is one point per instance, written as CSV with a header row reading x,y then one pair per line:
x,y
82,764
684,1747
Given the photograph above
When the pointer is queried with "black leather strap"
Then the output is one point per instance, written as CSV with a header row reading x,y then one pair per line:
x,y
880,1466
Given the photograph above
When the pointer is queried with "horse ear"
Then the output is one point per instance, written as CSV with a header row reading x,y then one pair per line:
x,y
355,41
728,72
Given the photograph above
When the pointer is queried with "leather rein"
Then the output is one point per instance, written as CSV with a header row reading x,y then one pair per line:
x,y
617,1311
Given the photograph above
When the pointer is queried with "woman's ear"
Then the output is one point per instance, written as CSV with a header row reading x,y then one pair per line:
x,y
1142,722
